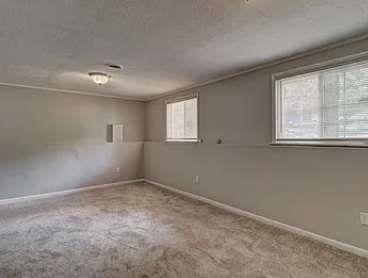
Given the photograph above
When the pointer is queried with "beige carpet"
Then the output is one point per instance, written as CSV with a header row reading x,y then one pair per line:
x,y
141,231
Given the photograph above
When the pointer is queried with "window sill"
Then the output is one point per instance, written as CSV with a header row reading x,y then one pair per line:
x,y
322,144
190,141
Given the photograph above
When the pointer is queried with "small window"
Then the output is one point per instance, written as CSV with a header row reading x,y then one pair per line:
x,y
325,107
182,120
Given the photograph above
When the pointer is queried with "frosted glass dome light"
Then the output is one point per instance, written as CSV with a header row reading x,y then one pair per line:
x,y
99,78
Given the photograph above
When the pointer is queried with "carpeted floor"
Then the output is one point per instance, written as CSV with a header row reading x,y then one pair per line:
x,y
142,231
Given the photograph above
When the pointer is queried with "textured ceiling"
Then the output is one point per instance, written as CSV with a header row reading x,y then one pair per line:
x,y
164,45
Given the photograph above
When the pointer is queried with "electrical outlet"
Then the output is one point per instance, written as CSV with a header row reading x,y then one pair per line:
x,y
117,169
196,179
364,218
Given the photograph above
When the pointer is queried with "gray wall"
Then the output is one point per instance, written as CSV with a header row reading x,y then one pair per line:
x,y
53,141
321,190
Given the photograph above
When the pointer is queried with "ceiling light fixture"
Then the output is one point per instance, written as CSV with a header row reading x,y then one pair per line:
x,y
99,78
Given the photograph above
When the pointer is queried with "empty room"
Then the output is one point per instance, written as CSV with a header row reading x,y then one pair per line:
x,y
184,139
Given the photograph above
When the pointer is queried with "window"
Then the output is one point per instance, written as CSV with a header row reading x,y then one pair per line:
x,y
326,107
182,120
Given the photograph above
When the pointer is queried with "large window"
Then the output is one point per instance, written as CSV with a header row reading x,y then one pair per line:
x,y
324,107
182,119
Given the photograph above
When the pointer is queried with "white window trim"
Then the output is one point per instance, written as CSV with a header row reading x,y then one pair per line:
x,y
354,59
179,99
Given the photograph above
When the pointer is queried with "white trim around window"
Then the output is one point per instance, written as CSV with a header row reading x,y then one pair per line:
x,y
286,121
188,130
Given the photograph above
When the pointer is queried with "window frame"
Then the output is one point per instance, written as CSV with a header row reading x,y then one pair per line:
x,y
351,60
180,99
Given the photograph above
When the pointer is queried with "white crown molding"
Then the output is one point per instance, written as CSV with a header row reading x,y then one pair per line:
x,y
75,92
331,242
64,192
263,66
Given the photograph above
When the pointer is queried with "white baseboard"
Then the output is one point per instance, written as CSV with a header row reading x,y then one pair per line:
x,y
337,244
64,192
